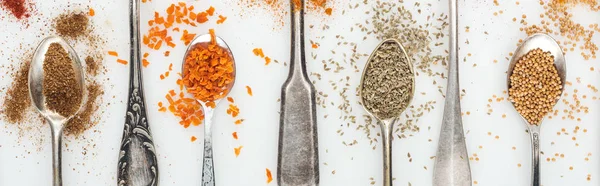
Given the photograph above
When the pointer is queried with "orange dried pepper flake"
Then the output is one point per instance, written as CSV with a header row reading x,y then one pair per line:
x,y
239,121
202,17
91,12
221,19
167,53
233,110
113,53
237,150
328,11
208,71
230,99
187,37
122,61
211,11
258,52
235,136
267,60
145,62
188,110
249,90
194,138
269,176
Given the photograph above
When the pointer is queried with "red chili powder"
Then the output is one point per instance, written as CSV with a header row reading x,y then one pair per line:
x,y
16,7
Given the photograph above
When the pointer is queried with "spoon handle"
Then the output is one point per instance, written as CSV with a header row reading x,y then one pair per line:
x,y
386,138
137,157
535,151
452,163
56,154
298,155
208,172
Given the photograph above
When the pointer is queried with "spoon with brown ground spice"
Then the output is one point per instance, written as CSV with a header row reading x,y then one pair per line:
x,y
56,88
536,79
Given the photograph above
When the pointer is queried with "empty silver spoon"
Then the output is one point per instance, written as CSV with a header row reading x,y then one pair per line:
x,y
35,81
208,175
386,124
547,44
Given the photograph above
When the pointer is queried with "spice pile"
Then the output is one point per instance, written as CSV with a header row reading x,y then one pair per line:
x,y
279,9
61,88
19,8
208,71
17,104
72,25
388,83
558,21
535,85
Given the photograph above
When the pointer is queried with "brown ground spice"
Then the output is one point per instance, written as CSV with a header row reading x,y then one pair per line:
x,y
17,101
72,25
92,66
84,119
60,87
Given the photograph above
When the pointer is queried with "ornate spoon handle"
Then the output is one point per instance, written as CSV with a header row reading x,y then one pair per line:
x,y
137,157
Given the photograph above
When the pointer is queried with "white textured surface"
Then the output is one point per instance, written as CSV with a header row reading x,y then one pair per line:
x,y
25,161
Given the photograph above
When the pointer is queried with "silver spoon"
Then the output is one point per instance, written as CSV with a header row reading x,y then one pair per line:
x,y
547,44
386,125
208,175
451,164
35,81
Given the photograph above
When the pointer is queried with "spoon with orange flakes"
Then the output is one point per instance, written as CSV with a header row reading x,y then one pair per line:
x,y
208,72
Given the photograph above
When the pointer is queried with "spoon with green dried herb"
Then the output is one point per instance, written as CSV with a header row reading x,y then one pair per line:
x,y
386,90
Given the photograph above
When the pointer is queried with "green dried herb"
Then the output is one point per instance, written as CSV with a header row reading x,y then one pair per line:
x,y
388,83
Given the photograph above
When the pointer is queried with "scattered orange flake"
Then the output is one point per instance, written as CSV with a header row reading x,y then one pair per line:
x,y
145,63
210,11
233,110
92,12
167,53
162,76
239,121
187,109
221,19
269,176
202,17
122,61
146,55
315,46
234,134
237,150
328,11
267,60
249,90
194,138
258,52
187,37
113,53
230,99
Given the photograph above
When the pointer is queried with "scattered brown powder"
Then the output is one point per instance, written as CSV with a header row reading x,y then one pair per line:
x,y
92,66
60,87
16,101
72,25
84,119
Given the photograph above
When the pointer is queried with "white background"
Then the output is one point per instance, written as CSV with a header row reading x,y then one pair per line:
x,y
91,159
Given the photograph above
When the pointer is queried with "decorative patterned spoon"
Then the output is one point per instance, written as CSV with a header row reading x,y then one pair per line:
x,y
137,158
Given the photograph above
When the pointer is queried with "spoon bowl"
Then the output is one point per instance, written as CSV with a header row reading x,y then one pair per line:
x,y
208,165
546,44
36,82
386,124
36,77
